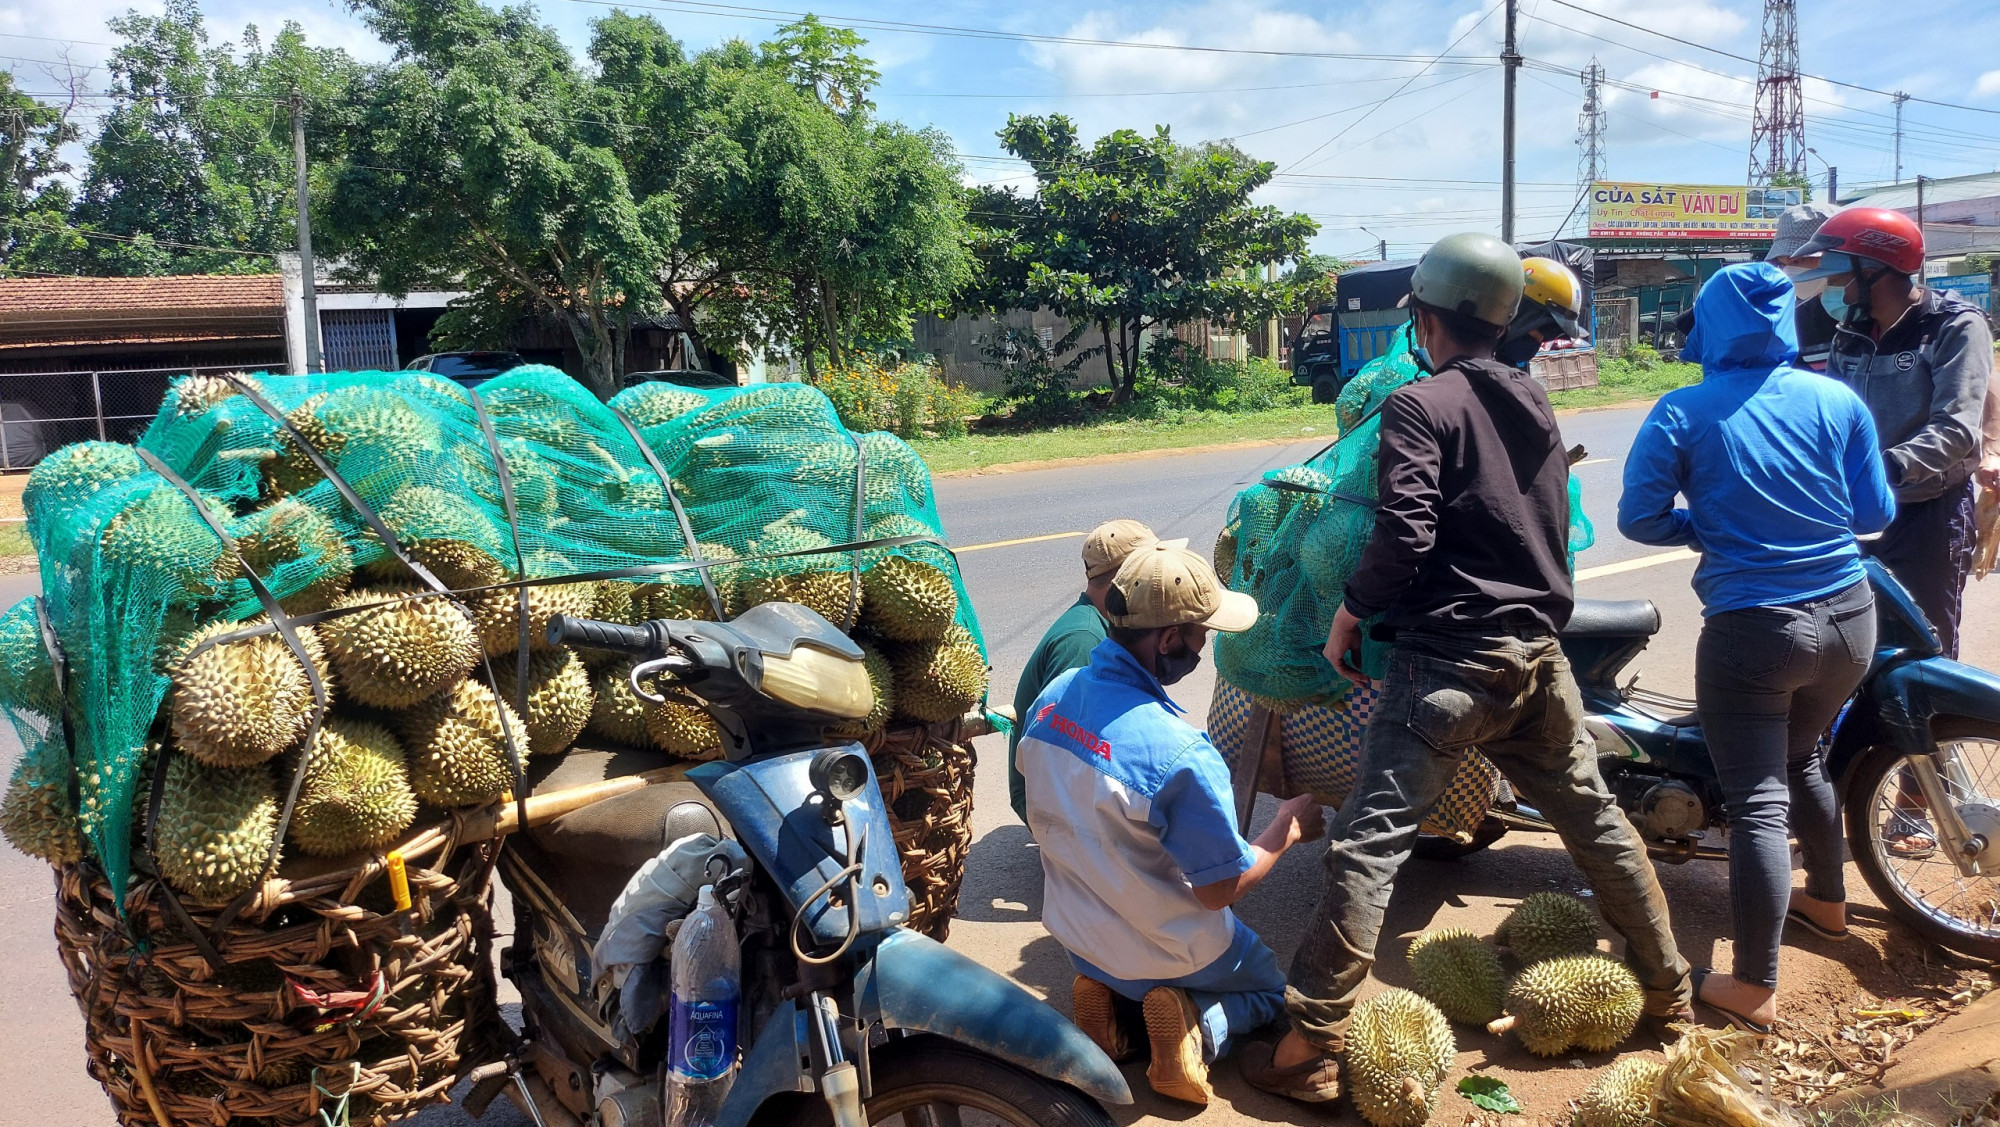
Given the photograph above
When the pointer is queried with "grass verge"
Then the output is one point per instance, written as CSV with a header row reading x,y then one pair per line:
x,y
1620,382
1131,436
14,540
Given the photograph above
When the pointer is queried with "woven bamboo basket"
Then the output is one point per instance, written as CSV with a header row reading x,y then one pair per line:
x,y
327,998
926,775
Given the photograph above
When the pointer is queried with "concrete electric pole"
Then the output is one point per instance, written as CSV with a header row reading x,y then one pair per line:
x,y
1900,99
1510,60
315,360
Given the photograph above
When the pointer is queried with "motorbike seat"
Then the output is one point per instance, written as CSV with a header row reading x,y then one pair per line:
x,y
1613,618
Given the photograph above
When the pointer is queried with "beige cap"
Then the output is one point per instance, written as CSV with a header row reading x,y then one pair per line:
x,y
1167,585
1109,543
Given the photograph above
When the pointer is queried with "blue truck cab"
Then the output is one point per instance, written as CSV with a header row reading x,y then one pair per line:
x,y
1358,325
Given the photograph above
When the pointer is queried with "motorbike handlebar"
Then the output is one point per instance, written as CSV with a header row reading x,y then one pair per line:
x,y
590,633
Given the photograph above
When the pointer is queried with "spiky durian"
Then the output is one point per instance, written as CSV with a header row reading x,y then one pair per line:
x,y
356,793
898,479
1327,556
617,713
297,552
497,614
536,485
194,395
613,601
1460,974
447,533
651,404
939,680
896,525
215,828
457,746
1308,492
881,679
1399,1048
240,703
907,600
823,583
1225,552
67,478
682,730
396,655
37,816
1585,1001
684,598
159,534
1548,925
1623,1095
559,698
27,676
386,434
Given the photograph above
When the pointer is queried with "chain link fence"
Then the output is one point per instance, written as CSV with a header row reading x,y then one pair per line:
x,y
42,411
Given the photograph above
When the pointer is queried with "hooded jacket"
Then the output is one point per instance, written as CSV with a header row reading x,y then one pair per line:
x,y
1925,383
1472,527
1779,466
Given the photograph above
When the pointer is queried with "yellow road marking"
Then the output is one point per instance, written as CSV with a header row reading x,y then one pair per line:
x,y
1675,556
1021,540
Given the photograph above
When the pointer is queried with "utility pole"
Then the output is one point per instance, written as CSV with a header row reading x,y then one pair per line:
x,y
1832,178
315,360
1510,60
1271,327
1381,245
1900,99
1920,202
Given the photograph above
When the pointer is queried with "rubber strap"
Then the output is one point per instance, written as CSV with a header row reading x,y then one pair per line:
x,y
59,665
860,530
680,514
516,760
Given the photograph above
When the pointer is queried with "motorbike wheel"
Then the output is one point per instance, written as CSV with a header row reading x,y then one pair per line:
x,y
927,1081
1430,847
1928,893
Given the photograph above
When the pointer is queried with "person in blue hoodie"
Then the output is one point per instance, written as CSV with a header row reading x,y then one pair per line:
x,y
1780,471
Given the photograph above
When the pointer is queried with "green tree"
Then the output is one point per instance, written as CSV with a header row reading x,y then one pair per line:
x,y
32,134
191,169
1311,281
1793,180
826,62
1130,233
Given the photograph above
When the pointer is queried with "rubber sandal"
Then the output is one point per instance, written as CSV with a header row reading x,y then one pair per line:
x,y
1793,915
1905,828
1700,975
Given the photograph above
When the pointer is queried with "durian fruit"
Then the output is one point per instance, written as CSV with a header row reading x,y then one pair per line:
x,y
682,597
613,600
1585,1001
297,552
651,404
617,713
161,535
537,487
27,677
907,600
497,614
822,583
377,424
897,478
682,730
1311,494
356,794
1225,552
447,533
215,828
1399,1048
194,395
559,698
1548,925
457,746
897,525
881,679
67,478
37,816
236,704
1622,1095
939,680
1327,555
396,655
1461,974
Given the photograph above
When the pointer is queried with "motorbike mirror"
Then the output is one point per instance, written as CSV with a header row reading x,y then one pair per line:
x,y
839,773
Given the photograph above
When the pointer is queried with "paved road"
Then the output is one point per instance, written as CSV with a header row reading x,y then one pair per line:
x,y
1018,588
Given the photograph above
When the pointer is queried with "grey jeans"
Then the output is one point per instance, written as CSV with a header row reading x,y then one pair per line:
x,y
1769,681
1510,694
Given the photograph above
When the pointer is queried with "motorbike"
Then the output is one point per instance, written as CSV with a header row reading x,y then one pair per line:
x,y
1914,753
847,1018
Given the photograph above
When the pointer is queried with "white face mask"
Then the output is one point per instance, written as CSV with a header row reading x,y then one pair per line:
x,y
1809,290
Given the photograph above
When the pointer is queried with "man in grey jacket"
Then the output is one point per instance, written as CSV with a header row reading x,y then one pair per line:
x,y
1921,360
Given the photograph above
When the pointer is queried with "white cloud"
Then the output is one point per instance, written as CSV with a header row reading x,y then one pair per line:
x,y
1988,85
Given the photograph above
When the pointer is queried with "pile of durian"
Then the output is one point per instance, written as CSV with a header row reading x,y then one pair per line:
x,y
1565,996
423,692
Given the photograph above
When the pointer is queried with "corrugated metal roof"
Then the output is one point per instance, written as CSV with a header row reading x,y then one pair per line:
x,y
29,296
1950,189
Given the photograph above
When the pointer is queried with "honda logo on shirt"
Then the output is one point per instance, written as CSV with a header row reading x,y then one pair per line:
x,y
1091,741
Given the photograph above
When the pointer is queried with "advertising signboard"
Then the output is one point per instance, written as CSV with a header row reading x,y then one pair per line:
x,y
1622,210
1975,288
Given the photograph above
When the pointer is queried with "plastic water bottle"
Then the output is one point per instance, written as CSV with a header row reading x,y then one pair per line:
x,y
701,1024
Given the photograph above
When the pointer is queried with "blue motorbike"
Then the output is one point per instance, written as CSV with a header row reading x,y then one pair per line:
x,y
1915,756
848,1018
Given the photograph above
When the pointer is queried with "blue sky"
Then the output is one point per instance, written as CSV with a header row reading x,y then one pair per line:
x,y
1405,150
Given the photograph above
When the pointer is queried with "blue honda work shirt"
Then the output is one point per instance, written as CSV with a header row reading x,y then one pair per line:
x,y
1132,808
1779,465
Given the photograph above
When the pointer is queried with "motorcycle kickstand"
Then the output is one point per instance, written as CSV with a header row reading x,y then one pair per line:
x,y
488,1080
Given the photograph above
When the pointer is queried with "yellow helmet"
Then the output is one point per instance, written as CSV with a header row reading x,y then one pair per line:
x,y
1553,289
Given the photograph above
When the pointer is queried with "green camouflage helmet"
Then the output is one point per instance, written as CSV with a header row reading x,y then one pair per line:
x,y
1474,275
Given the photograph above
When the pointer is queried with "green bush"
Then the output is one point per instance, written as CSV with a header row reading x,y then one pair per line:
x,y
1176,376
904,397
1641,356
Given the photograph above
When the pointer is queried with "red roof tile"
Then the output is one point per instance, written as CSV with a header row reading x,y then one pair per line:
x,y
29,296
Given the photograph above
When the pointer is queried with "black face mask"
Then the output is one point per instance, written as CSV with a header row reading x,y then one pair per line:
x,y
1517,351
1174,666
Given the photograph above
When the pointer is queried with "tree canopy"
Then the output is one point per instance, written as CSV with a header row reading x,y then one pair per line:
x,y
1128,233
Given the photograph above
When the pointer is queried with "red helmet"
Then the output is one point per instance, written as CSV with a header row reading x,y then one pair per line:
x,y
1888,237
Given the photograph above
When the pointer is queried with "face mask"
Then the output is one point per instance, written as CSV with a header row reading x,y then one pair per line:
x,y
1811,289
1516,352
1834,300
1419,353
1174,666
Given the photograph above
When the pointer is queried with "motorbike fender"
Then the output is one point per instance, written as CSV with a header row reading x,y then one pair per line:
x,y
778,1062
1898,703
916,983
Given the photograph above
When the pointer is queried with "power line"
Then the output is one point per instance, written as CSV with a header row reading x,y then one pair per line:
x,y
65,228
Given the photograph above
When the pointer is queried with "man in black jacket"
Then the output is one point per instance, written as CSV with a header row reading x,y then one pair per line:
x,y
1468,565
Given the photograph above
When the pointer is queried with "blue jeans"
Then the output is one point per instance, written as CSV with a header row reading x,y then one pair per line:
x,y
1239,993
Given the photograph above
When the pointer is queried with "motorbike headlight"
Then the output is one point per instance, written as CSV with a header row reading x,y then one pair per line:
x,y
839,773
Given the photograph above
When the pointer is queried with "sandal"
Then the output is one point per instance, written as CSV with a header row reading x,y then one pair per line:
x,y
1798,917
1910,837
1700,975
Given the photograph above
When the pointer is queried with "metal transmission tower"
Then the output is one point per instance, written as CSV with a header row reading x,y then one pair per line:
x,y
1591,125
1778,128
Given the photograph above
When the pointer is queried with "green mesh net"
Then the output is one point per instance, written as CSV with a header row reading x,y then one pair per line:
x,y
1293,539
767,480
